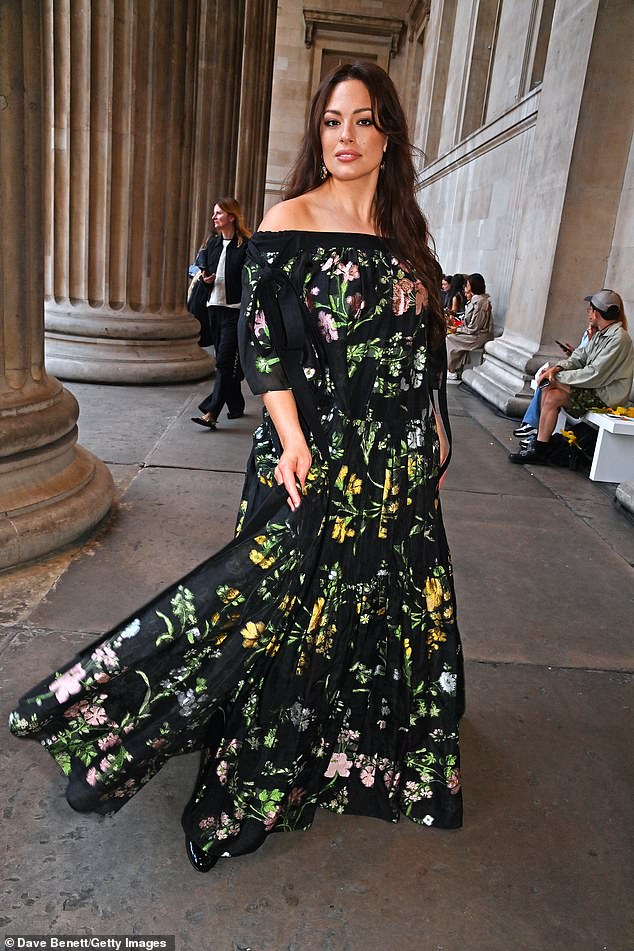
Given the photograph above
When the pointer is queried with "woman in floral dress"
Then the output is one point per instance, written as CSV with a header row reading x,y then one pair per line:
x,y
315,661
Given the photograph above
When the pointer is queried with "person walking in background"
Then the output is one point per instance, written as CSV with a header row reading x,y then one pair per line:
x,y
315,660
476,328
221,263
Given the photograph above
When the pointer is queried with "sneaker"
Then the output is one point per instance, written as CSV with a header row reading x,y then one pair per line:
x,y
534,455
529,441
525,430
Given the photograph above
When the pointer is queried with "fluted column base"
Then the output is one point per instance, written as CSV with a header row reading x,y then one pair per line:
x,y
52,491
123,347
625,495
504,377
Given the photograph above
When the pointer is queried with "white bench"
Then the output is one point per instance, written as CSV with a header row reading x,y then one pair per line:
x,y
613,459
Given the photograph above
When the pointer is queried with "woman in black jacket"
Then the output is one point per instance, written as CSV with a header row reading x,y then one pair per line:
x,y
221,262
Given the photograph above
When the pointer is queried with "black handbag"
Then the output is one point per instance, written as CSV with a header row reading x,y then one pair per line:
x,y
197,297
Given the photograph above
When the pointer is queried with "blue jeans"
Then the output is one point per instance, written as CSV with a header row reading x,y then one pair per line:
x,y
531,416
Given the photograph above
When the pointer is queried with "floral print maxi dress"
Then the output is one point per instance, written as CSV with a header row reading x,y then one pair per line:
x,y
315,660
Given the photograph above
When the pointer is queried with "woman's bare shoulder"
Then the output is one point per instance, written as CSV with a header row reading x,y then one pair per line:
x,y
294,214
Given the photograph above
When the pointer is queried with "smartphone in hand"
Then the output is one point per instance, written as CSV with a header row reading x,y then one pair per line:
x,y
564,346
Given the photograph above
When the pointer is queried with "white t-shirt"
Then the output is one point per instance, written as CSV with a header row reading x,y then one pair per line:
x,y
218,296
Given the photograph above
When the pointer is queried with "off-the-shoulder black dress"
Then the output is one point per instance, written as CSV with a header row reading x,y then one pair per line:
x,y
315,660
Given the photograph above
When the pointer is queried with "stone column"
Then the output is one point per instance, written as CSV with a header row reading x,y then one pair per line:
x,y
119,109
255,106
51,490
218,70
571,195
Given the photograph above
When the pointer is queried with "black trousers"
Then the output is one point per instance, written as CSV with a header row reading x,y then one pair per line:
x,y
227,390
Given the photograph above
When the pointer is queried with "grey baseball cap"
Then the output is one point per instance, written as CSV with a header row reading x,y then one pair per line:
x,y
607,302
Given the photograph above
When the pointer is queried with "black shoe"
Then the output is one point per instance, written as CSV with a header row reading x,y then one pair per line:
x,y
534,455
529,441
525,430
204,422
198,857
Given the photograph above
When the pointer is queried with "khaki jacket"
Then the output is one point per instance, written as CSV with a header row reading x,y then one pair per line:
x,y
605,365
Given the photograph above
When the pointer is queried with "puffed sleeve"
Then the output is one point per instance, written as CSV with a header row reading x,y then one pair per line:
x,y
260,361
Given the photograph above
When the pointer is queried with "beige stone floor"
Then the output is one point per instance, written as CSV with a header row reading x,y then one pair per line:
x,y
545,583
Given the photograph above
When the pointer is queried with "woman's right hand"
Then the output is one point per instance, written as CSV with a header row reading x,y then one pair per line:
x,y
296,457
292,468
208,278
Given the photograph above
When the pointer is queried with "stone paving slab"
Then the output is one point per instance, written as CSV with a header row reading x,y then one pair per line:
x,y
121,424
167,522
477,464
185,444
535,585
541,863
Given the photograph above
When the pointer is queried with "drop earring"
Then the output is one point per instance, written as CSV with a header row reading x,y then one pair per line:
x,y
323,171
382,166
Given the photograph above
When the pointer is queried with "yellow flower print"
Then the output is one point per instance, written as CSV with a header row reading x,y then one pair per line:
x,y
266,481
324,640
315,617
340,532
215,618
433,593
230,595
272,647
251,633
287,603
435,637
408,649
260,539
343,472
354,484
258,559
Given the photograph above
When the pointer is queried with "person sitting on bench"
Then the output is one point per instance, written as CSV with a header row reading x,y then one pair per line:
x,y
593,377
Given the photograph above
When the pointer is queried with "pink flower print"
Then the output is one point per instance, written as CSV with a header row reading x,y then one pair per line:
x,y
339,764
327,326
422,297
101,677
400,296
271,819
332,261
106,657
94,715
68,683
259,323
349,272
106,742
92,776
367,774
104,765
388,778
454,782
295,796
355,305
158,743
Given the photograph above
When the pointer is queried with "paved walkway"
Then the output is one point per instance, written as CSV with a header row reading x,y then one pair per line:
x,y
545,583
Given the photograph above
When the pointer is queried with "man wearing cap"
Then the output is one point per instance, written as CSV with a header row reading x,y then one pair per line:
x,y
594,377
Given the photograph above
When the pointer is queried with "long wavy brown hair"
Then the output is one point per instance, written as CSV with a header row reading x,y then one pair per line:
x,y
231,206
397,216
